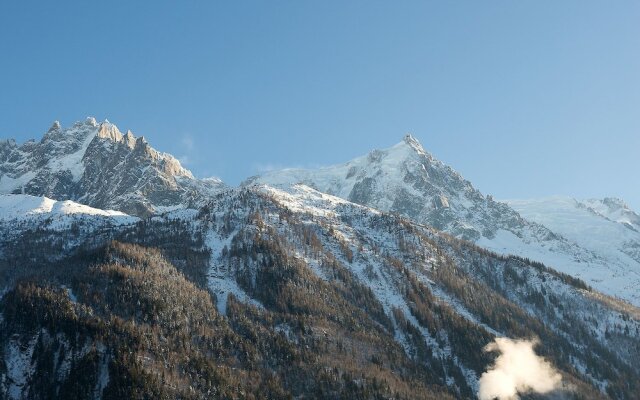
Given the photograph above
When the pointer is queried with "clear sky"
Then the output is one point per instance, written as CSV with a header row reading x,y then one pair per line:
x,y
524,98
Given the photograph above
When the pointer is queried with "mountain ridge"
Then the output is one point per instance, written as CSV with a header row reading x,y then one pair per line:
x,y
95,164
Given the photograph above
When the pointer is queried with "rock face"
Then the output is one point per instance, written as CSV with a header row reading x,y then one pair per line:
x,y
95,164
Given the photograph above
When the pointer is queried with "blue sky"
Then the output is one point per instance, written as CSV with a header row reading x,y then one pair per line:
x,y
524,98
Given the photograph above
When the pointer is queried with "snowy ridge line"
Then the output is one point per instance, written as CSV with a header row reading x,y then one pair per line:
x,y
22,206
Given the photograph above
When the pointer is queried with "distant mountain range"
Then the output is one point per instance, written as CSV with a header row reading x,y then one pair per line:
x,y
124,276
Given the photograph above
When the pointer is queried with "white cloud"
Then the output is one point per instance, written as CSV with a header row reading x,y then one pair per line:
x,y
268,167
517,370
262,168
187,142
184,160
187,145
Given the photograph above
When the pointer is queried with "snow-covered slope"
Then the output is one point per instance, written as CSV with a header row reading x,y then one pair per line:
x,y
407,180
25,209
24,206
605,227
95,164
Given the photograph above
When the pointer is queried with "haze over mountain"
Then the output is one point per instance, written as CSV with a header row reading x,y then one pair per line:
x,y
122,275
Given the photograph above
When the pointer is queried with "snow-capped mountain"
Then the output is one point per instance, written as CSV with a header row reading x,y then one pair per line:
x,y
407,180
95,164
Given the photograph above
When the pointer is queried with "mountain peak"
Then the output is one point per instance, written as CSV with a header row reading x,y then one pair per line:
x,y
107,130
7,143
410,140
55,127
91,121
614,203
413,143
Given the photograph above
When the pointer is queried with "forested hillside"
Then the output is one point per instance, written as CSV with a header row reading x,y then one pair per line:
x,y
264,293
